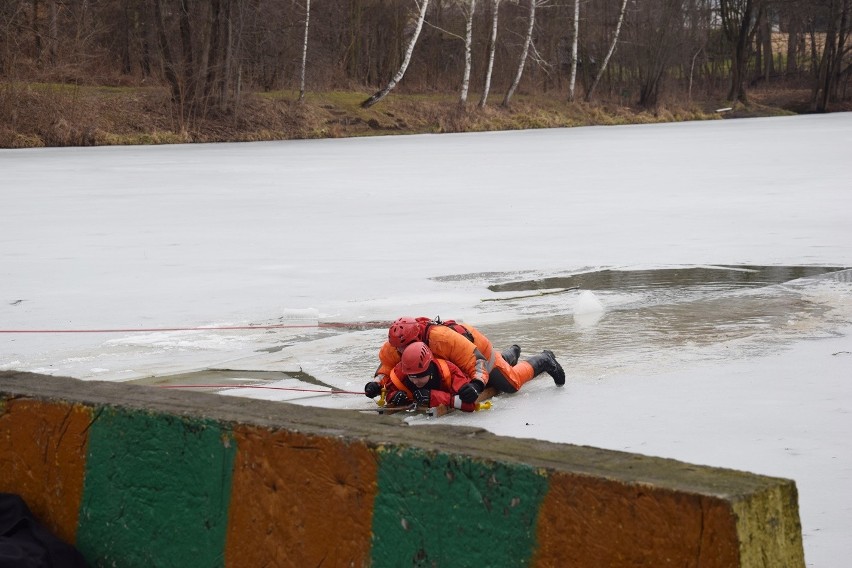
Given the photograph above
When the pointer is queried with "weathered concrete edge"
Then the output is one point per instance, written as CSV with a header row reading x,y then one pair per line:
x,y
765,509
765,536
382,430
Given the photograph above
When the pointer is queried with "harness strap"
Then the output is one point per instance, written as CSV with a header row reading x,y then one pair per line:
x,y
443,370
400,385
455,326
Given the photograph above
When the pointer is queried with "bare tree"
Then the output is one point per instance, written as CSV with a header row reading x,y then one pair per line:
x,y
830,71
492,45
524,53
218,50
609,53
765,59
379,95
304,51
11,17
195,53
53,32
572,82
794,29
170,64
656,34
699,16
739,24
38,44
468,37
211,51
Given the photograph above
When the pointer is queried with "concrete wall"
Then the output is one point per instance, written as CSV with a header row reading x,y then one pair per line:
x,y
139,476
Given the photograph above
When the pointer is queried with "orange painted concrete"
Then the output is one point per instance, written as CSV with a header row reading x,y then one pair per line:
x,y
301,488
43,459
300,500
590,521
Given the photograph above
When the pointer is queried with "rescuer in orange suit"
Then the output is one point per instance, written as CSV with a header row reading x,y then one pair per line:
x,y
421,378
472,352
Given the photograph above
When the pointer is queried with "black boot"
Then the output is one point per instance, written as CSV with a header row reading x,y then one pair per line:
x,y
547,363
511,354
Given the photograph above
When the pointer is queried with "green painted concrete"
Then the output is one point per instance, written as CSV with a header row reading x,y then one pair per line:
x,y
443,510
156,491
160,469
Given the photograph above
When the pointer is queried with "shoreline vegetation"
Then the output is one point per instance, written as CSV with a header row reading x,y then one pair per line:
x,y
38,115
119,72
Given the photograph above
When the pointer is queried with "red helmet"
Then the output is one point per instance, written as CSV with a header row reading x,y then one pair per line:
x,y
416,358
402,332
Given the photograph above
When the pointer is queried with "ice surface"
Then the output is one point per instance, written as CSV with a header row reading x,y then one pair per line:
x,y
110,258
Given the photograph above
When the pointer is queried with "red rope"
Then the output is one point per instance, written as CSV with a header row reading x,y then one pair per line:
x,y
326,391
366,325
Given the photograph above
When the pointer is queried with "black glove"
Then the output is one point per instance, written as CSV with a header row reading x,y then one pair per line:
x,y
423,396
372,389
399,398
469,392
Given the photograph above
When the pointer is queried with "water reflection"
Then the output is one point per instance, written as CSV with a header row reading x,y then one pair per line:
x,y
705,277
660,318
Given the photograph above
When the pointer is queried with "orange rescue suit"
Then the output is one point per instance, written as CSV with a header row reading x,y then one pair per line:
x,y
450,379
444,344
479,360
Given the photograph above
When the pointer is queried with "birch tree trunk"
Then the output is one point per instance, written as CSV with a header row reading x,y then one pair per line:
x,y
492,46
305,50
609,53
691,73
468,35
406,60
573,80
527,41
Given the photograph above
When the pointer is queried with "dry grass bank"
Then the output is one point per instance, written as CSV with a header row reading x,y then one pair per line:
x,y
38,114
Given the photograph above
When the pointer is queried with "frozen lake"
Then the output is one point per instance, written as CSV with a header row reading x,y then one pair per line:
x,y
711,320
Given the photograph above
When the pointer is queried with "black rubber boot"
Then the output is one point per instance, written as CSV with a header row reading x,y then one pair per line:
x,y
547,363
511,354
